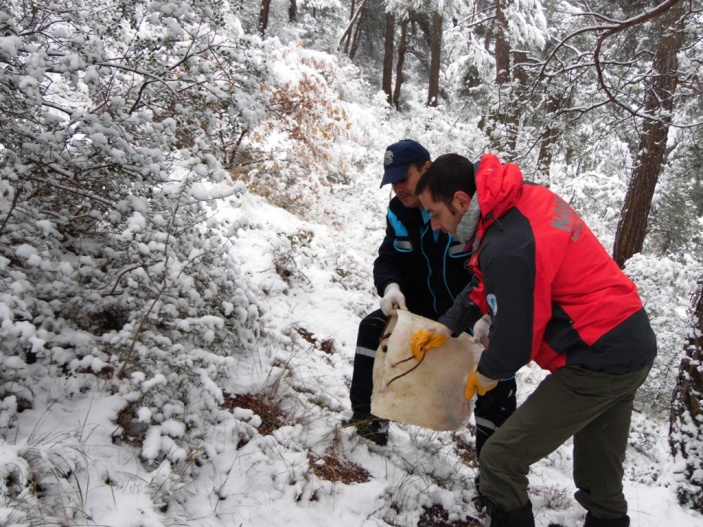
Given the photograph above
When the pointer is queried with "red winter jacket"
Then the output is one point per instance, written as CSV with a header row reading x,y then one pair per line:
x,y
556,295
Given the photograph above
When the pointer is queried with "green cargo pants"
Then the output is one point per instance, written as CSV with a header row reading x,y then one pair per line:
x,y
593,407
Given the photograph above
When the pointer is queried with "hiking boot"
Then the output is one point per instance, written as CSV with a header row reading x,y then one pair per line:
x,y
592,521
521,517
370,427
479,501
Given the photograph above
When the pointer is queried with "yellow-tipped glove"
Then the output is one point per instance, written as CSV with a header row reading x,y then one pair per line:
x,y
477,383
427,339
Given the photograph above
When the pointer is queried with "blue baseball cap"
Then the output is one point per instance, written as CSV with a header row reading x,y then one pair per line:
x,y
399,156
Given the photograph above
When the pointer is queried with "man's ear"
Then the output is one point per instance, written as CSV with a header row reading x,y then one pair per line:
x,y
462,200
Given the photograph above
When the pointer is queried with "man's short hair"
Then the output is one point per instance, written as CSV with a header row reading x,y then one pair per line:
x,y
448,174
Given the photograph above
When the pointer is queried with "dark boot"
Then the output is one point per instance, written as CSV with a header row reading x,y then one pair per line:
x,y
592,521
521,517
370,427
479,500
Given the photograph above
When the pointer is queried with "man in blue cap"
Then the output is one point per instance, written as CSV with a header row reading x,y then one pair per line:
x,y
422,271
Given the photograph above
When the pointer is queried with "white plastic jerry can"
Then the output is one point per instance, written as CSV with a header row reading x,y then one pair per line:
x,y
429,393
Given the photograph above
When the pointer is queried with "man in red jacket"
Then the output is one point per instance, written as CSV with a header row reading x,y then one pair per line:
x,y
556,297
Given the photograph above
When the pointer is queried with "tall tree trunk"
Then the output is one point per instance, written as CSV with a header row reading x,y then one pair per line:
x,y
513,109
401,60
499,123
435,57
345,42
387,81
292,10
346,37
549,138
686,422
357,32
264,16
502,46
660,88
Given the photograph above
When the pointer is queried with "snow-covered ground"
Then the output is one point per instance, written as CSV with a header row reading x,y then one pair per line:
x,y
277,453
300,466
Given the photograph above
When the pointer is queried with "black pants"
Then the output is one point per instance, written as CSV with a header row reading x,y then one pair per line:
x,y
493,409
490,412
367,340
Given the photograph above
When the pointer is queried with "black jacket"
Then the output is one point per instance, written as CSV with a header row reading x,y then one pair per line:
x,y
430,267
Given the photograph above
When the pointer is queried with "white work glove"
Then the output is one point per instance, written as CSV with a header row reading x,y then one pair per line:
x,y
392,299
481,329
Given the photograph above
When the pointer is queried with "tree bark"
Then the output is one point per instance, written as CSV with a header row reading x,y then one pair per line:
x,y
346,37
435,59
660,88
499,126
502,46
511,109
401,60
264,16
357,32
387,81
686,421
345,42
292,10
549,138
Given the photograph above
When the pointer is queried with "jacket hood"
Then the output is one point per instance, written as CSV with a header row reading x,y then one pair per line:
x,y
498,186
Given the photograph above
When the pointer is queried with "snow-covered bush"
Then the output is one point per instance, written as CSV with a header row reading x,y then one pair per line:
x,y
295,155
666,288
114,121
